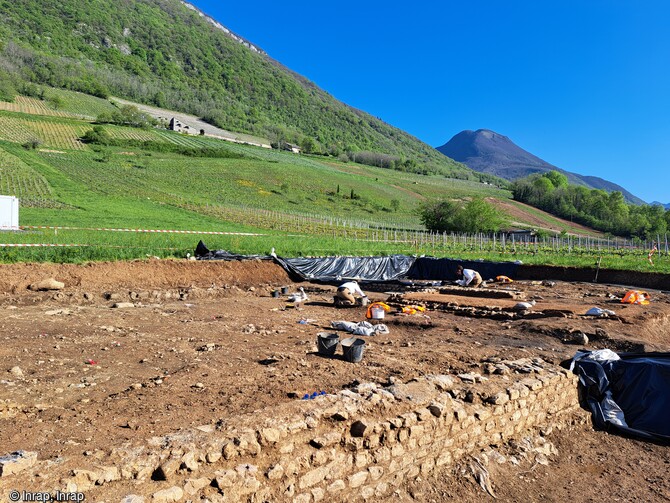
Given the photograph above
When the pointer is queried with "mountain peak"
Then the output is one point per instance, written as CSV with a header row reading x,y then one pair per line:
x,y
488,133
486,151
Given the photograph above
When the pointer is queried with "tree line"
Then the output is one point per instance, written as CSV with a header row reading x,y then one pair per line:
x,y
595,208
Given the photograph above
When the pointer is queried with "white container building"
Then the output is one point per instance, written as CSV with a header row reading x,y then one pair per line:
x,y
9,213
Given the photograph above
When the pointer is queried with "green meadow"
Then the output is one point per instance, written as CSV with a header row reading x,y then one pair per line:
x,y
301,205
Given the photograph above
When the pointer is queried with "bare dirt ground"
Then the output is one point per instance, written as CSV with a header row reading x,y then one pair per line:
x,y
205,342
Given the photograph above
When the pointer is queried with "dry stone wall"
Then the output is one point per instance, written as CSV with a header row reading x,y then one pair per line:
x,y
359,444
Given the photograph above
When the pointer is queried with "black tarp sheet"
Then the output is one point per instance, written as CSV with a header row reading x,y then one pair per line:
x,y
369,269
445,268
638,384
203,253
388,269
329,269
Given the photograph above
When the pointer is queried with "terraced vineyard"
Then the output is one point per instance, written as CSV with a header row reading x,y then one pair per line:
x,y
20,180
48,132
60,103
82,105
33,106
126,133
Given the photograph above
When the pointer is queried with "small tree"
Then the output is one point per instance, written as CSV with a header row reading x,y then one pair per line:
x,y
32,144
55,101
449,216
309,145
479,216
439,215
395,204
97,135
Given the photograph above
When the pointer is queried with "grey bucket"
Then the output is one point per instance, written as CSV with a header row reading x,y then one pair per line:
x,y
284,290
326,343
353,349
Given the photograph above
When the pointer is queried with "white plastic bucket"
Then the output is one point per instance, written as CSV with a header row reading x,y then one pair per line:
x,y
377,313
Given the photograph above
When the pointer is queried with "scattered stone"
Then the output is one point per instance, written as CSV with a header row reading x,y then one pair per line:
x,y
47,284
436,409
56,312
472,378
275,472
442,382
16,371
546,431
133,498
194,485
326,440
190,461
225,478
269,436
249,329
601,333
123,305
580,337
341,415
500,398
358,429
170,495
16,462
107,474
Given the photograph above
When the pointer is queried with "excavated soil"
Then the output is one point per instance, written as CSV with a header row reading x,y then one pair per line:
x,y
205,343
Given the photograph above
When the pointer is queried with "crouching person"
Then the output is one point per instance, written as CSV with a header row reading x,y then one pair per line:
x,y
468,277
350,294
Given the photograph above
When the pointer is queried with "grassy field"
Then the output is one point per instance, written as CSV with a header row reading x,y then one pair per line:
x,y
299,204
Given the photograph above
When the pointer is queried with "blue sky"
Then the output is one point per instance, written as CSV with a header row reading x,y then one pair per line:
x,y
585,85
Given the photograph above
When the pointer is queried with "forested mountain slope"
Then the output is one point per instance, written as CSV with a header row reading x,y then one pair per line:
x,y
166,53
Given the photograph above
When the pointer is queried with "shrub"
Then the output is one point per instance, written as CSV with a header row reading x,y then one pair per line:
x,y
449,216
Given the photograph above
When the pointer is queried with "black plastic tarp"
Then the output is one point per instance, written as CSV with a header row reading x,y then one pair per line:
x,y
630,394
329,269
445,268
203,253
369,269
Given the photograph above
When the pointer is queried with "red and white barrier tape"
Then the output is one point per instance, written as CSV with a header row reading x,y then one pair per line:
x,y
15,245
164,231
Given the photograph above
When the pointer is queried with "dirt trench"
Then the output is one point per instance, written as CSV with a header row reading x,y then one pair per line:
x,y
204,344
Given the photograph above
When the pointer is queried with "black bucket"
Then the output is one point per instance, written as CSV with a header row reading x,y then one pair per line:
x,y
284,290
275,293
326,343
353,349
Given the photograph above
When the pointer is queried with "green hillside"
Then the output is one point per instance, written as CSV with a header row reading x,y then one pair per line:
x,y
44,161
84,197
140,173
162,53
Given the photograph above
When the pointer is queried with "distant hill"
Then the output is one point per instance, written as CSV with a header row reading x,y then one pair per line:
x,y
489,152
666,206
168,54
